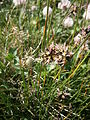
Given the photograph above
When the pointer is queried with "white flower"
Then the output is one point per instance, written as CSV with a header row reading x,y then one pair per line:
x,y
77,39
34,8
64,4
68,22
86,14
18,2
60,6
45,11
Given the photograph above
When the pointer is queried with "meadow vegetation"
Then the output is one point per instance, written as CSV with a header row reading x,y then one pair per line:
x,y
44,60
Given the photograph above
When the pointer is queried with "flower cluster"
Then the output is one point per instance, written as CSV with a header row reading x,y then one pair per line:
x,y
63,95
58,53
74,9
68,22
19,2
78,39
64,4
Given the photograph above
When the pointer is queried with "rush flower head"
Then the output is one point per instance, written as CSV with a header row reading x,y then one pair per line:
x,y
85,46
58,53
68,22
19,2
45,11
86,14
51,47
64,4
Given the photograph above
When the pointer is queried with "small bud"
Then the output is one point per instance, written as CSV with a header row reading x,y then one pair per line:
x,y
29,61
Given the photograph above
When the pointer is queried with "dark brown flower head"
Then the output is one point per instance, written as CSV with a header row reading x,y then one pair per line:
x,y
74,9
58,53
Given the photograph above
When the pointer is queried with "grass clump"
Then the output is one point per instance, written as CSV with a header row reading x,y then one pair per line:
x,y
44,60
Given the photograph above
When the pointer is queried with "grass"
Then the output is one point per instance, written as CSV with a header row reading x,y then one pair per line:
x,y
42,90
